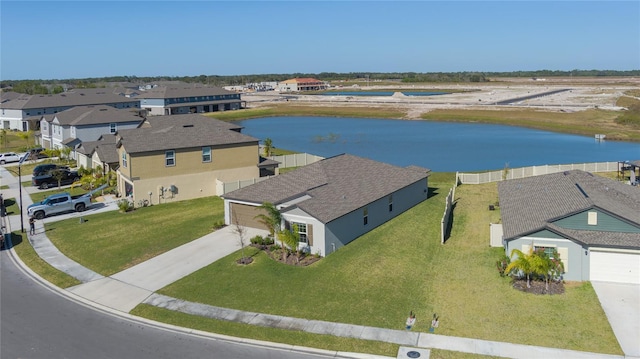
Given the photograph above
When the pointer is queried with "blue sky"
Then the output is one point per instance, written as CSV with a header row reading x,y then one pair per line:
x,y
76,39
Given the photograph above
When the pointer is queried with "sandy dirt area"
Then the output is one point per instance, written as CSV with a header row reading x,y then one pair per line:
x,y
581,94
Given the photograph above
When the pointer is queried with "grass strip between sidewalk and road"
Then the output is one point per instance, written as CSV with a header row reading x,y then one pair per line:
x,y
375,280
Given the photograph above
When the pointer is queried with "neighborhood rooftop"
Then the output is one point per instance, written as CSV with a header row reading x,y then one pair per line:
x,y
530,204
183,90
332,187
76,97
94,115
181,131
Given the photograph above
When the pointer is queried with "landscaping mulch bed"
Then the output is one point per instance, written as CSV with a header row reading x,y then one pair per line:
x,y
276,255
538,287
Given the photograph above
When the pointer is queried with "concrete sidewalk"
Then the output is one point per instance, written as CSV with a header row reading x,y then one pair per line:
x,y
125,290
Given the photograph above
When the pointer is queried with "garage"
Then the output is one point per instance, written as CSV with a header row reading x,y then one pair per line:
x,y
245,214
614,266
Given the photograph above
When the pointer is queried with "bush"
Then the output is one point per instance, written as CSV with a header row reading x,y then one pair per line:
x,y
125,206
257,240
218,224
502,264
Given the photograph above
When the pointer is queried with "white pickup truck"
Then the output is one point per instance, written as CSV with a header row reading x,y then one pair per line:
x,y
59,203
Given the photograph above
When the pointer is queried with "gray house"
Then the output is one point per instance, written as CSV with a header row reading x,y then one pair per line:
x,y
593,223
333,201
85,123
182,98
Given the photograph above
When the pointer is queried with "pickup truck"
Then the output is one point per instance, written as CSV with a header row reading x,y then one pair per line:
x,y
59,203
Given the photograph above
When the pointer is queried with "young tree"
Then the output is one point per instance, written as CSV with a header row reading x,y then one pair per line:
x,y
65,152
3,138
522,264
272,219
268,147
241,232
26,135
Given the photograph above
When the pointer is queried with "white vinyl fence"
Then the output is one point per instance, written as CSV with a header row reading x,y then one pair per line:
x,y
296,160
522,172
446,217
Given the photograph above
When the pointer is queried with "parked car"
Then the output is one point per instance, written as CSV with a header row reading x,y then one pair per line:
x,y
45,168
51,178
9,157
59,203
36,153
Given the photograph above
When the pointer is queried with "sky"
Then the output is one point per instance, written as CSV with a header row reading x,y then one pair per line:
x,y
79,39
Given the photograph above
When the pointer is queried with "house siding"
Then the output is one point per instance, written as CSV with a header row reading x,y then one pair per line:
x,y
605,223
577,268
93,132
345,229
317,230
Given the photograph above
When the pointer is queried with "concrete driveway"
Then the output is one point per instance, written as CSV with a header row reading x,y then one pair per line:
x,y
621,304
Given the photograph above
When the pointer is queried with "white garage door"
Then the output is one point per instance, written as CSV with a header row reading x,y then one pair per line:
x,y
614,267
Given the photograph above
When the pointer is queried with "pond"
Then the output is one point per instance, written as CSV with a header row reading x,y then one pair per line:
x,y
440,146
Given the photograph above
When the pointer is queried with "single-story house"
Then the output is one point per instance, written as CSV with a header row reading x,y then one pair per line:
x,y
593,222
332,201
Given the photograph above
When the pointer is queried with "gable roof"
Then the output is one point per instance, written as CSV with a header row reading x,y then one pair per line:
x,y
94,115
335,186
531,204
183,90
158,133
76,97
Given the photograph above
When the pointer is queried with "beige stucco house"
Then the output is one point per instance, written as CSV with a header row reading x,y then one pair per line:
x,y
180,157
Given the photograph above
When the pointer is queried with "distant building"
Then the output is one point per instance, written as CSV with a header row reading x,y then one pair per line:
x,y
301,84
24,112
179,99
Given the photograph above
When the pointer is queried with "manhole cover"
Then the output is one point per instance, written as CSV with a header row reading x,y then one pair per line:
x,y
413,354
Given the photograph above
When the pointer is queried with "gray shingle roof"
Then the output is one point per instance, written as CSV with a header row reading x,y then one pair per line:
x,y
181,131
96,115
183,90
336,185
76,97
530,204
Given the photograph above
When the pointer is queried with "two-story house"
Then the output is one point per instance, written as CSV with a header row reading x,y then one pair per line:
x,y
175,99
84,123
179,157
24,112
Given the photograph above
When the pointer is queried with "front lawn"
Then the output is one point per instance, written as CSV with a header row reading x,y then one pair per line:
x,y
110,242
400,267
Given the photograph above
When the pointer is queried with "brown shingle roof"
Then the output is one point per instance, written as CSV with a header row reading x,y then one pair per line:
x,y
336,185
181,131
531,204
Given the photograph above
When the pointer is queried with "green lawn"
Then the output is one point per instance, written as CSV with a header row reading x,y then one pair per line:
x,y
111,242
12,206
375,280
401,266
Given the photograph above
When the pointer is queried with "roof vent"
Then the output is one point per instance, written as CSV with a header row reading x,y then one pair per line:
x,y
187,126
103,109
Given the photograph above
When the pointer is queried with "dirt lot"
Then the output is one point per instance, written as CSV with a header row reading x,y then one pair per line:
x,y
581,94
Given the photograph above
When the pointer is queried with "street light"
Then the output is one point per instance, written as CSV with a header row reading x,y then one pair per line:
x,y
20,188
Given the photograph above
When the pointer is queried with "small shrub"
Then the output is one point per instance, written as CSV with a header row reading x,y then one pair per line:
x,y
218,224
124,205
502,264
257,240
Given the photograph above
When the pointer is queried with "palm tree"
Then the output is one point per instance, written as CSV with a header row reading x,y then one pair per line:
x,y
522,264
290,237
272,219
268,147
25,135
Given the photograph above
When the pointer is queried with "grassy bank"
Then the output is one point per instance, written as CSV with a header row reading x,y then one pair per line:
x,y
300,110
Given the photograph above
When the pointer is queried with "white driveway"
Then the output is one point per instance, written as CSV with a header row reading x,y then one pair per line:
x,y
621,304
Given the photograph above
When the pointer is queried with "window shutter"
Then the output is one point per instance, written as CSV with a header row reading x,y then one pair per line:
x,y
287,225
564,257
526,248
310,234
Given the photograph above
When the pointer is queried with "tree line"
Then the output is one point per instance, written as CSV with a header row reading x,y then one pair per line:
x,y
58,85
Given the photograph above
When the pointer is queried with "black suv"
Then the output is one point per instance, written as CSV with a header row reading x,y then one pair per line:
x,y
46,168
50,179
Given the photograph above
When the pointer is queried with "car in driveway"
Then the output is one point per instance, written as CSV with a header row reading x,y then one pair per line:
x,y
9,157
45,168
53,177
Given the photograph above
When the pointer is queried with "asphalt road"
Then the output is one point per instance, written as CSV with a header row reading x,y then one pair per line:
x,y
37,322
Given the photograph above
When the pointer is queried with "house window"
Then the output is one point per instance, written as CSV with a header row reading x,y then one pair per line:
x,y
365,216
302,231
390,203
206,154
549,251
124,159
170,158
112,128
